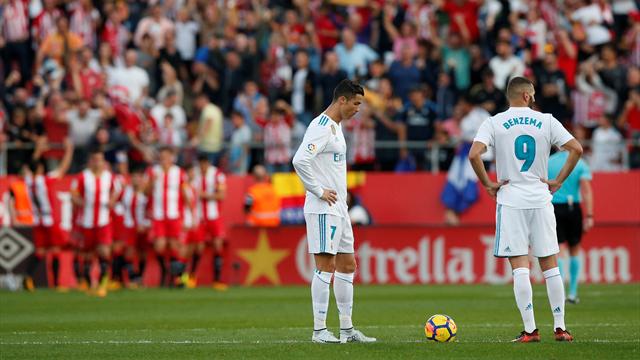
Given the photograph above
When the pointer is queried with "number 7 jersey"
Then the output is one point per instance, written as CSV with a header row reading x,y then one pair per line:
x,y
522,139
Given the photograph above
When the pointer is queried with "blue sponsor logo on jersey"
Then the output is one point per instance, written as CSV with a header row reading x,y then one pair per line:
x,y
522,121
338,157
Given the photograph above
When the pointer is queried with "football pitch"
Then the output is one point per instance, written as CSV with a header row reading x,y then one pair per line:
x,y
275,323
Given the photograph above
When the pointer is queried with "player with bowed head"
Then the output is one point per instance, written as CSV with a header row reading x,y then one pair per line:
x,y
525,220
321,165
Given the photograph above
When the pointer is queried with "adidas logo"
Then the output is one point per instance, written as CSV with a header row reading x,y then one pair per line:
x,y
507,249
557,310
530,307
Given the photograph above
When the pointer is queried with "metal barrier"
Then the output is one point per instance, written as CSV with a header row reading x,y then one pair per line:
x,y
431,150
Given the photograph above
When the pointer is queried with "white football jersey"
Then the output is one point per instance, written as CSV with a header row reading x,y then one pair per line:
x,y
321,164
522,139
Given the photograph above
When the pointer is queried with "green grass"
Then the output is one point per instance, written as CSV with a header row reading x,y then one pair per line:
x,y
275,323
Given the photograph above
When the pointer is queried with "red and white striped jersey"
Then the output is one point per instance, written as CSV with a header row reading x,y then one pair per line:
x,y
134,205
191,215
363,141
84,22
277,141
96,192
44,24
166,194
15,26
50,207
208,183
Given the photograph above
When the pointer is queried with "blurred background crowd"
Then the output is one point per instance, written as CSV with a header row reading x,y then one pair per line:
x,y
240,80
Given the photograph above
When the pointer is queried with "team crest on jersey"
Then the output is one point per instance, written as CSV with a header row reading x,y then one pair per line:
x,y
311,148
333,129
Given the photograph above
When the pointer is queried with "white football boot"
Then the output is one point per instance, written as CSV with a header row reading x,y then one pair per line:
x,y
324,336
353,335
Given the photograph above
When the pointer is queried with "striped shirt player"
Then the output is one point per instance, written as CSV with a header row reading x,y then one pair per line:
x,y
96,189
52,211
208,182
525,223
321,164
15,26
168,187
134,216
191,219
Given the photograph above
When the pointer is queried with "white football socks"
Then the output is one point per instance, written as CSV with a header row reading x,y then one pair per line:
x,y
524,297
320,288
555,292
343,292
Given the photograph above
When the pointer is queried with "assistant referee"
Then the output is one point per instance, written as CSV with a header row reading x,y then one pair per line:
x,y
570,223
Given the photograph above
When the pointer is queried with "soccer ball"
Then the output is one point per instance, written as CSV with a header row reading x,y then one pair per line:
x,y
440,328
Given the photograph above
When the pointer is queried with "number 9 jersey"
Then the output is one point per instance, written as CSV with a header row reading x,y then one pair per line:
x,y
522,139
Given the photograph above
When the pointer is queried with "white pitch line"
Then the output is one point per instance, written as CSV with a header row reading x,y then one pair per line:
x,y
298,328
258,342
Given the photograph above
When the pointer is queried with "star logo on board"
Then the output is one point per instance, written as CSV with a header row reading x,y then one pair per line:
x,y
14,248
263,260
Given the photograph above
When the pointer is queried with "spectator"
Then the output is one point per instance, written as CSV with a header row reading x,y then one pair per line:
x,y
277,142
186,32
592,98
171,84
330,77
404,40
44,23
247,102
15,31
169,105
457,59
115,34
84,21
169,133
132,77
505,65
239,156
156,25
593,19
210,128
302,89
363,136
487,95
552,90
446,95
404,73
419,118
354,58
22,135
606,149
231,78
463,18
86,81
613,74
60,45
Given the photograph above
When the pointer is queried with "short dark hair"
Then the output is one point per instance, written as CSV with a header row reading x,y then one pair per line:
x,y
203,157
348,89
517,85
166,148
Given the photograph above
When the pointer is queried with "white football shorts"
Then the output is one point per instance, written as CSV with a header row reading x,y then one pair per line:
x,y
521,230
329,234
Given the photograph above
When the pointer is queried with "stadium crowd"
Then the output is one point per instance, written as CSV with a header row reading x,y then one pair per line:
x,y
238,80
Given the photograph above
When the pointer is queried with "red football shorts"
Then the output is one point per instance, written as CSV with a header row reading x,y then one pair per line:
x,y
194,235
49,236
167,229
212,229
93,237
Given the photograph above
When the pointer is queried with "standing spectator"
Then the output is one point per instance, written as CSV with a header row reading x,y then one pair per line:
x,y
505,65
231,79
60,45
363,137
186,33
419,118
404,74
354,57
277,142
210,128
156,25
115,34
170,83
303,89
169,133
247,102
147,59
44,23
330,76
631,39
593,19
463,18
446,95
133,78
85,81
170,105
15,31
456,58
84,22
591,98
19,132
56,129
606,147
83,124
239,158
326,28
403,40
613,73
487,95
567,52
552,91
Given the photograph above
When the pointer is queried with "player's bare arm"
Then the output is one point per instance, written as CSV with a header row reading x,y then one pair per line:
x,y
575,151
477,149
587,196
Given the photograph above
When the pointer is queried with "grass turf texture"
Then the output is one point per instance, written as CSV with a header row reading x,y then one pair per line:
x,y
276,323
